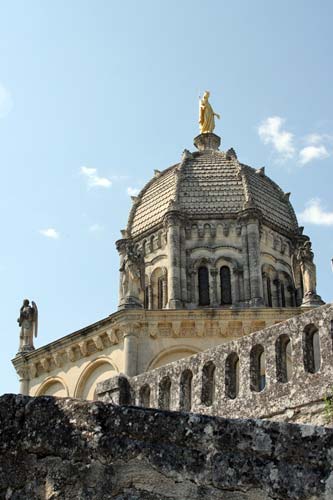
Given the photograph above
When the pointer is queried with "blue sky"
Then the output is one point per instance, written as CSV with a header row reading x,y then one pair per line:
x,y
113,87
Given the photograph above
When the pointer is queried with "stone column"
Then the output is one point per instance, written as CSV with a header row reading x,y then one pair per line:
x,y
173,250
164,291
130,354
24,380
213,286
253,244
246,271
235,285
277,294
183,274
150,296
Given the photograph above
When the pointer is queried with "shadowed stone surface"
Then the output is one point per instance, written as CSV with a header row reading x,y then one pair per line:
x,y
69,449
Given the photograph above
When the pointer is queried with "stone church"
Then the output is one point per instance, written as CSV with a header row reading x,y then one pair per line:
x,y
212,252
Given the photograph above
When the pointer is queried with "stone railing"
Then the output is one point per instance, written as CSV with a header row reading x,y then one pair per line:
x,y
282,372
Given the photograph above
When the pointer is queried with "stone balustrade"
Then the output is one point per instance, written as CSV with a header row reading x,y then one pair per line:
x,y
282,372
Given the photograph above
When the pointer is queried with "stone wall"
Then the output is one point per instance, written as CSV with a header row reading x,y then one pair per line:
x,y
228,380
72,365
70,449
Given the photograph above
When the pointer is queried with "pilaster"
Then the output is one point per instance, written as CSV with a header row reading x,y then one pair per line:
x,y
172,223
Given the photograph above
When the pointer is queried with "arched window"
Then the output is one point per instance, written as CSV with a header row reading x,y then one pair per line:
x,y
283,295
144,396
232,375
283,358
257,368
160,300
208,384
185,402
151,243
269,292
302,285
203,286
311,348
164,393
146,298
225,280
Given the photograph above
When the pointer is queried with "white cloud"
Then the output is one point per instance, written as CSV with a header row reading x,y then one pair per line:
x,y
6,102
96,228
270,132
93,179
314,138
132,191
50,233
314,213
310,153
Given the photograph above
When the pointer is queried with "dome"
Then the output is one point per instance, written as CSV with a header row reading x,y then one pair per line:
x,y
211,184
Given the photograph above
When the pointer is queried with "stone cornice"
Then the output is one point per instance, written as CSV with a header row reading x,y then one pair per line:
x,y
144,323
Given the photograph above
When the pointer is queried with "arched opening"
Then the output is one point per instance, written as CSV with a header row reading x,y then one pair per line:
x,y
283,295
159,288
257,368
232,375
185,401
95,372
203,286
160,301
53,387
164,393
311,349
146,297
170,355
283,358
225,281
269,292
208,384
144,396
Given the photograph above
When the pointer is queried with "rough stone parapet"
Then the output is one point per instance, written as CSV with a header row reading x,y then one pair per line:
x,y
297,397
69,449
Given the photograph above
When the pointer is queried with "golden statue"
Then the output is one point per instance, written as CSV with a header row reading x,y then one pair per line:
x,y
206,115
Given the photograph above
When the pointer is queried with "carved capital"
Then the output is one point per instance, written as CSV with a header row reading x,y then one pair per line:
x,y
171,218
23,372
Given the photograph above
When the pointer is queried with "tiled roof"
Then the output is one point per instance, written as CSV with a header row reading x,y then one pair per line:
x,y
210,183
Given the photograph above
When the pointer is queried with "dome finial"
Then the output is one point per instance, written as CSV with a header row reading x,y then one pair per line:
x,y
206,115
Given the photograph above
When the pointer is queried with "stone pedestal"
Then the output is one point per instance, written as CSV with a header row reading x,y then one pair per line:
x,y
207,141
311,299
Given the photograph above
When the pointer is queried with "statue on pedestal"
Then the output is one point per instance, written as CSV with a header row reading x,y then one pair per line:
x,y
308,270
133,277
206,115
28,321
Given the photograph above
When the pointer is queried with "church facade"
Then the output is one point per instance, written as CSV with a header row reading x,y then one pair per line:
x,y
212,252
